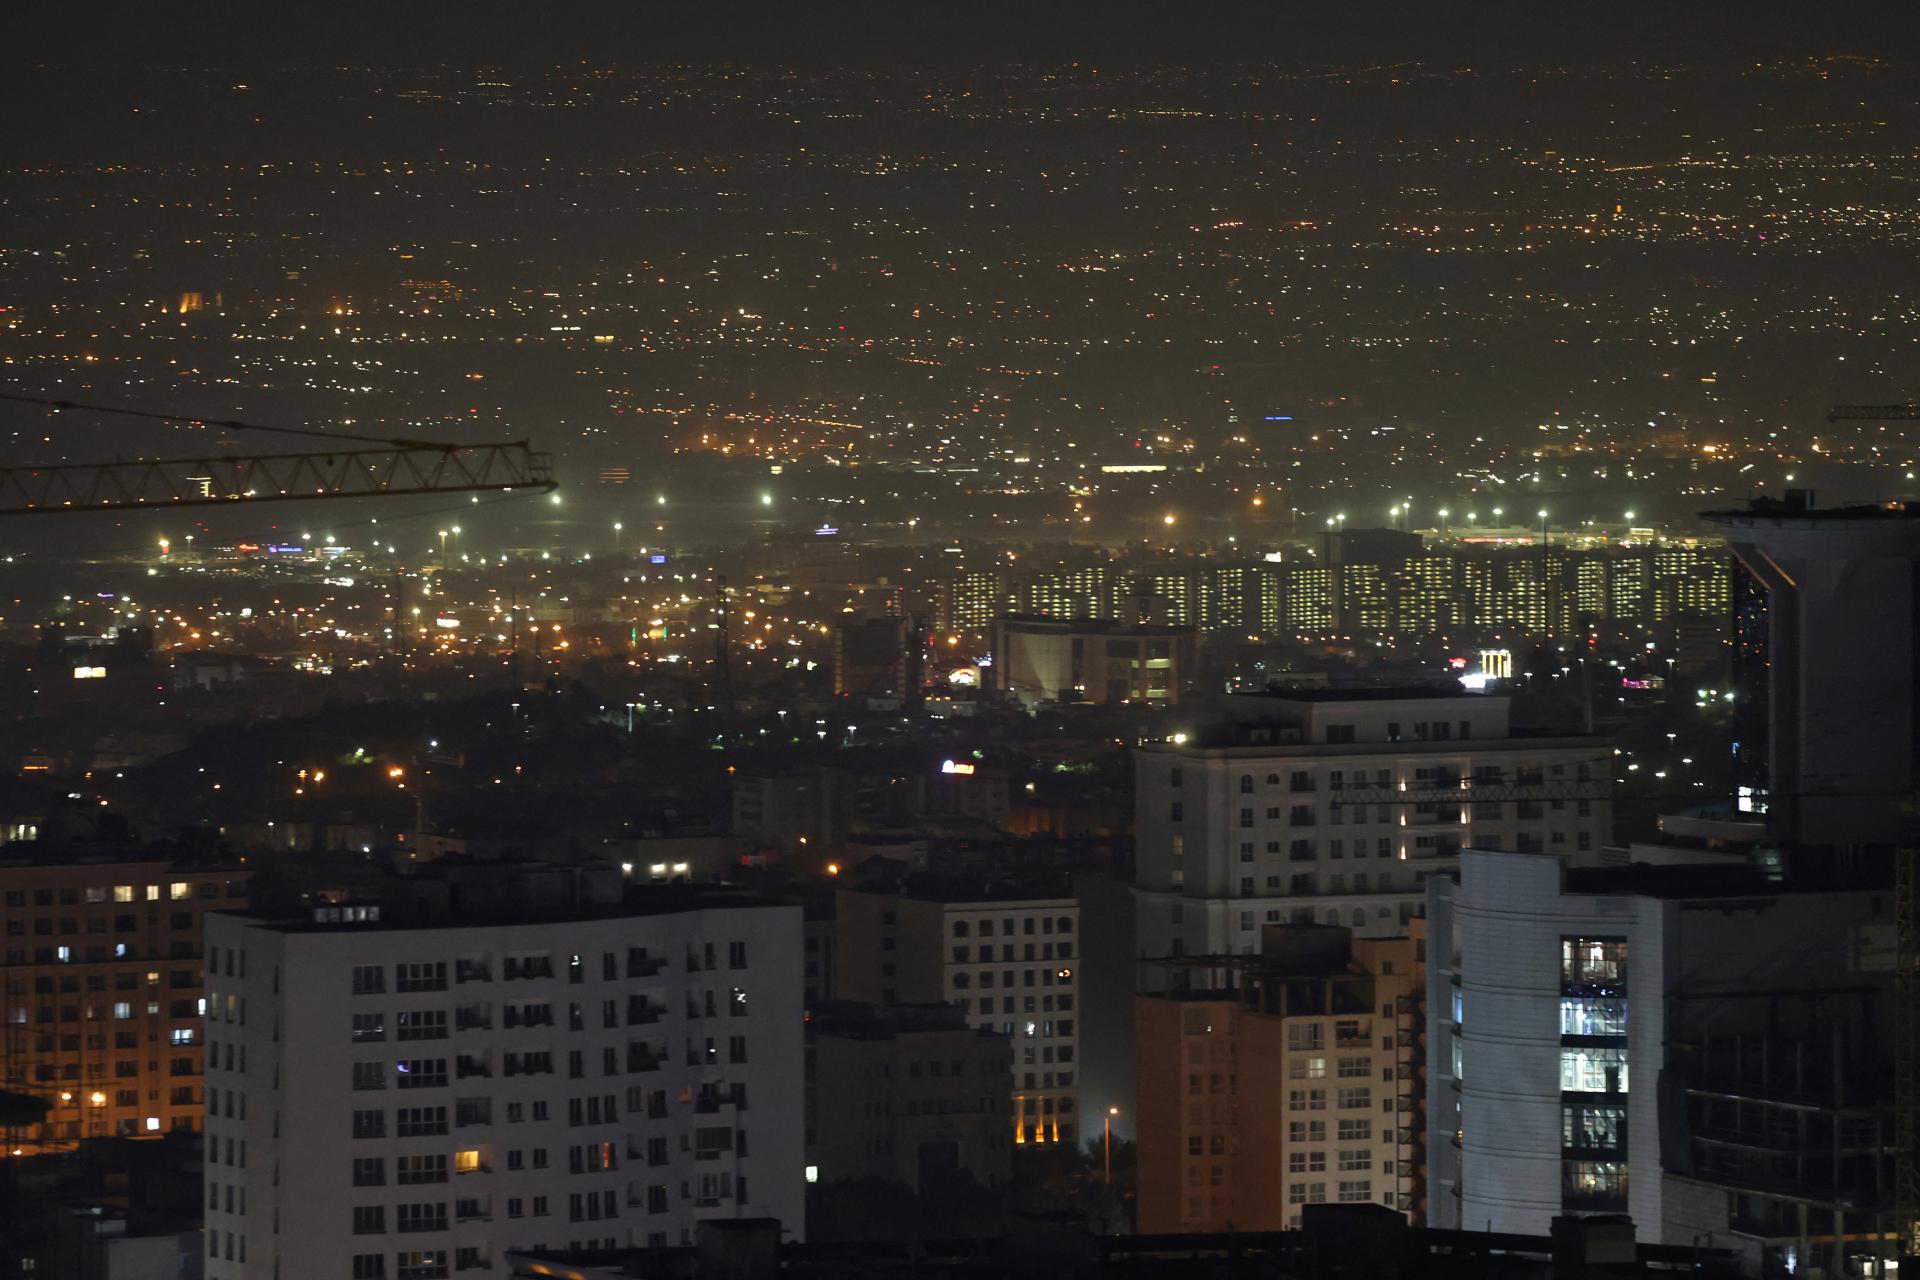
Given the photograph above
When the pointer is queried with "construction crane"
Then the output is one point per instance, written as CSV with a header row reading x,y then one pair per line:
x,y
369,467
1874,413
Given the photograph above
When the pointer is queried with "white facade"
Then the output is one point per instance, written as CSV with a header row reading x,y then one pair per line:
x,y
1615,1040
1334,811
1523,1058
404,1103
1013,966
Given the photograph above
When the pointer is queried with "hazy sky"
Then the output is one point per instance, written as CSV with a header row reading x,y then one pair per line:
x,y
1483,31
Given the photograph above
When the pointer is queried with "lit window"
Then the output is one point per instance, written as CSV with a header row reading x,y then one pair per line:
x,y
179,889
467,1161
153,893
123,893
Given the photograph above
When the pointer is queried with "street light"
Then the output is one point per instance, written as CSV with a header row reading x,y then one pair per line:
x,y
1111,1113
617,526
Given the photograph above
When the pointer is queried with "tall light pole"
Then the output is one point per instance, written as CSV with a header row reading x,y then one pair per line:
x,y
617,526
1111,1113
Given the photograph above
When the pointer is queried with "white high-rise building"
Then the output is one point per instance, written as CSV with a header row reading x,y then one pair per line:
x,y
396,1102
1332,807
1702,1047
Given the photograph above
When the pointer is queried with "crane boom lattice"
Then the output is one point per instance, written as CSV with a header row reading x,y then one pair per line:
x,y
371,471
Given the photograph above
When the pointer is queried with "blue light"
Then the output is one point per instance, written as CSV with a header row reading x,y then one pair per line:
x,y
1279,417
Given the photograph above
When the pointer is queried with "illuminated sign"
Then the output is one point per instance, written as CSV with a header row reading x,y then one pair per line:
x,y
963,768
448,624
100,673
1279,417
285,551
656,558
1132,468
825,531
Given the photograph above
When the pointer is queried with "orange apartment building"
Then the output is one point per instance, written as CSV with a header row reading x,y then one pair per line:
x,y
101,995
1290,1078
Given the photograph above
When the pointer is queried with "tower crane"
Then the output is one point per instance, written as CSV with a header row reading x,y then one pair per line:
x,y
368,467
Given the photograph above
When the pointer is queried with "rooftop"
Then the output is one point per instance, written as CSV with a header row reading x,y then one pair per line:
x,y
1091,626
1365,693
981,888
1799,505
367,915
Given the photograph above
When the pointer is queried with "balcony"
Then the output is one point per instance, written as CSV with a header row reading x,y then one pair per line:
x,y
645,966
643,1060
472,971
642,1012
464,1067
473,1018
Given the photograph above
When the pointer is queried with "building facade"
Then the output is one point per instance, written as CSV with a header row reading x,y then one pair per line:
x,y
407,1102
1047,660
1825,637
1334,808
912,1094
1004,955
1694,1045
1301,1085
103,990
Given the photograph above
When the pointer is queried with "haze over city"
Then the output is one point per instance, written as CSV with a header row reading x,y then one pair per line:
x,y
1268,513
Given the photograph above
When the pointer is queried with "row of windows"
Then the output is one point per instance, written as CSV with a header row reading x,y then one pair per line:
x,y
1347,1160
371,1171
1028,925
1346,1099
413,1264
1354,1191
174,891
100,953
418,1122
117,1011
984,954
124,922
1316,1130
1028,977
523,966
123,1069
1349,1068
